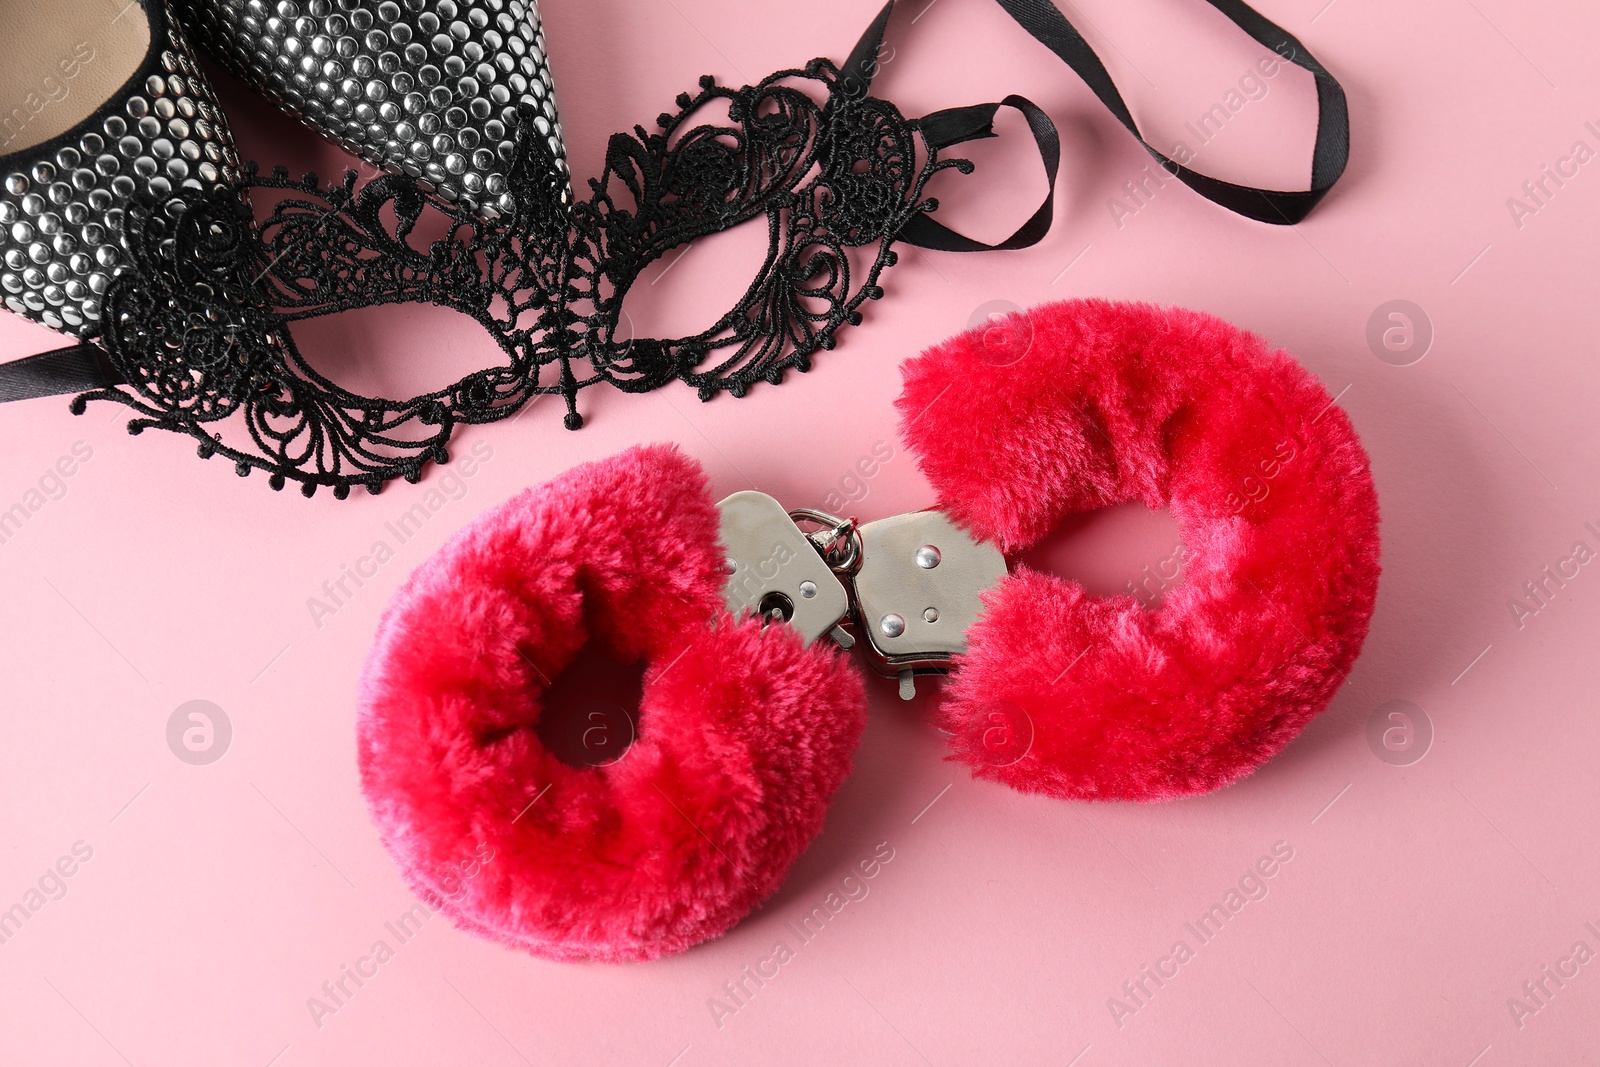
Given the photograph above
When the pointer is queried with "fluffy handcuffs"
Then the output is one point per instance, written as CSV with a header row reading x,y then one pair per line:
x,y
750,709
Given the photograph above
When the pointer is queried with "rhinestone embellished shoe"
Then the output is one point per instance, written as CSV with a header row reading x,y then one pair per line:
x,y
429,88
102,105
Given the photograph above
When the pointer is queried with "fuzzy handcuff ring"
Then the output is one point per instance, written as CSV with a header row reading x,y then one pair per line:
x,y
740,612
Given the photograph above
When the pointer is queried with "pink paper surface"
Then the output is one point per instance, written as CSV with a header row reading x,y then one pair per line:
x,y
1419,899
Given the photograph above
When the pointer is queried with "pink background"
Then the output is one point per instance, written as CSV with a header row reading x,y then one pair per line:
x,y
1419,898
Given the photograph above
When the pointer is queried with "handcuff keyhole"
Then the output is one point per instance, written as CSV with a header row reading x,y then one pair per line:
x,y
776,606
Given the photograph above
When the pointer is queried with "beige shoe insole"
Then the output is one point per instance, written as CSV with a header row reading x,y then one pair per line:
x,y
60,60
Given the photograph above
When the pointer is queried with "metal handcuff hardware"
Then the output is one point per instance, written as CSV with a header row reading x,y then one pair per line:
x,y
907,586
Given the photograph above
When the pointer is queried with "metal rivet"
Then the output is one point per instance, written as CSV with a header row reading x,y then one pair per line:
x,y
892,625
808,589
733,564
931,615
928,557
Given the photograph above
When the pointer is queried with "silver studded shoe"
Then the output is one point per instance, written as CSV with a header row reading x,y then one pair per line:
x,y
429,88
102,105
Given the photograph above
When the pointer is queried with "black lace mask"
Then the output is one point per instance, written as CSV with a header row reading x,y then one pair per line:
x,y
197,329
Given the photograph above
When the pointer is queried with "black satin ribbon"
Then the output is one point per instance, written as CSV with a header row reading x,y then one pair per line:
x,y
83,367
1042,20
62,370
959,124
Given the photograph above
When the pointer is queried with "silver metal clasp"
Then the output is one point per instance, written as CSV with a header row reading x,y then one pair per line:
x,y
917,588
778,572
911,585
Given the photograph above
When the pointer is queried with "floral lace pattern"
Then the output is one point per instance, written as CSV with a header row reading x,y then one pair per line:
x,y
199,327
